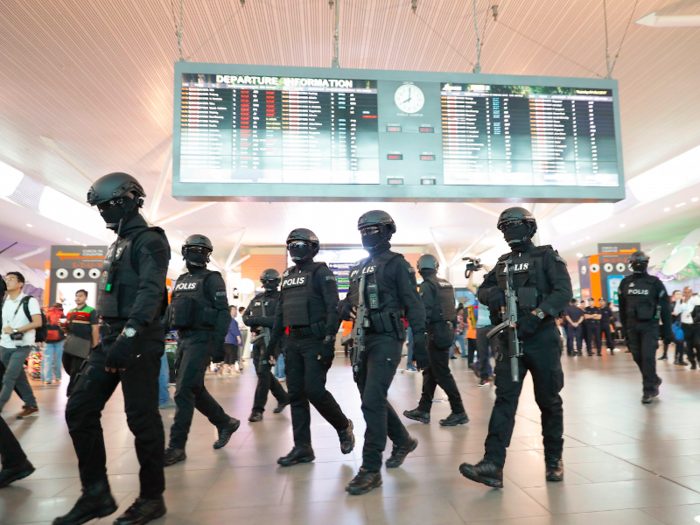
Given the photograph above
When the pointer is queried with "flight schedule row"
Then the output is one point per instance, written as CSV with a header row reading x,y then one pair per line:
x,y
528,139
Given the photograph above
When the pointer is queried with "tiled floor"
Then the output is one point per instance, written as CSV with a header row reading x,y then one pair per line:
x,y
626,463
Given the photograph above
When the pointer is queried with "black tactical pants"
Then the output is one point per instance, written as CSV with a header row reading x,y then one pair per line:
x,y
574,334
193,358
593,336
643,342
266,382
306,381
691,336
609,337
382,357
10,450
438,373
139,382
542,358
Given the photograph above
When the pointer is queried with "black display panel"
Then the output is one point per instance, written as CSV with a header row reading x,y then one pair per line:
x,y
288,133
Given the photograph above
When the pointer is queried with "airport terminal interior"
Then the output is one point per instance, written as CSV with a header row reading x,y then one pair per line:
x,y
417,231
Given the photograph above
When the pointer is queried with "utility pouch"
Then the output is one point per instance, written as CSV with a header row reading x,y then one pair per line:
x,y
209,317
109,270
387,322
319,330
400,327
373,295
443,334
377,322
182,313
645,311
527,298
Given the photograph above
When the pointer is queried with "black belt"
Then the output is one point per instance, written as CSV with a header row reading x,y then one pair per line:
x,y
301,331
187,332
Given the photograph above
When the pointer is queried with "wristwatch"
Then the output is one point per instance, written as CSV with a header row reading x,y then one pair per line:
x,y
539,313
15,331
129,332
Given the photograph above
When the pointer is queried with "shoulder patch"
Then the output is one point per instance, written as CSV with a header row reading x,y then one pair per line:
x,y
411,269
330,277
221,294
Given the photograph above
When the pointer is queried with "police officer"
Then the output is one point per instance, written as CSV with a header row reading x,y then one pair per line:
x,y
390,292
131,299
260,316
543,289
606,317
440,318
308,307
643,299
592,318
199,312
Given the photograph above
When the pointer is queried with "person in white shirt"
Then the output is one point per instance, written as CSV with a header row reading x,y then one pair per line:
x,y
691,328
18,332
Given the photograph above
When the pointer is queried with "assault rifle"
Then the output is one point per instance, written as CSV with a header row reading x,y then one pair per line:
x,y
265,333
358,331
510,318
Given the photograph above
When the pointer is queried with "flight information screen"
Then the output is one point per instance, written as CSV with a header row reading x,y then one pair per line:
x,y
525,135
246,132
261,129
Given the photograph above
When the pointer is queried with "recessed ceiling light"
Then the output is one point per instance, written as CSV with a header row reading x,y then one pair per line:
x,y
68,239
76,242
29,225
587,238
579,255
572,242
681,204
84,244
622,225
694,199
667,209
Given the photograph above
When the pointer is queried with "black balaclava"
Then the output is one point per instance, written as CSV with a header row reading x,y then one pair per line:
x,y
271,286
195,260
518,235
377,242
640,267
117,213
301,254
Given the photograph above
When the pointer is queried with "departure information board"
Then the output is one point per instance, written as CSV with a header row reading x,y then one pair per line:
x,y
285,133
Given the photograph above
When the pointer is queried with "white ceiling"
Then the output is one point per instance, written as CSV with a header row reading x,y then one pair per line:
x,y
97,78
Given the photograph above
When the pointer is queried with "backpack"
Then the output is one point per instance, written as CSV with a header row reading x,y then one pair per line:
x,y
43,330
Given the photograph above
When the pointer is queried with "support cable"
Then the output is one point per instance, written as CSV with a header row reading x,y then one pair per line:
x,y
477,67
607,44
629,23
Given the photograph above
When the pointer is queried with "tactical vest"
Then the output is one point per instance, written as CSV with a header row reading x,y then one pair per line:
x,y
642,300
119,282
529,279
303,304
269,300
384,308
444,306
189,308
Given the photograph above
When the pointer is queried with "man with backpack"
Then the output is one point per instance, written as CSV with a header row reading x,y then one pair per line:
x,y
21,317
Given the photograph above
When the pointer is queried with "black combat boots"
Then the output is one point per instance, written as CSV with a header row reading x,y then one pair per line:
x,y
226,432
347,438
364,482
417,415
486,472
303,454
398,454
95,502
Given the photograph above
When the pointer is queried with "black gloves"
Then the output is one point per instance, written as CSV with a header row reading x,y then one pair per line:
x,y
420,355
119,353
272,351
345,309
327,352
496,298
527,326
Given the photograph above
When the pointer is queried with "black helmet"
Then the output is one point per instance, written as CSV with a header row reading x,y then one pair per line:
x,y
376,218
302,234
516,214
197,240
114,186
427,262
270,275
639,261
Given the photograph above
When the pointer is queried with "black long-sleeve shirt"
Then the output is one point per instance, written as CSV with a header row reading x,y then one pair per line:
x,y
268,320
657,293
150,254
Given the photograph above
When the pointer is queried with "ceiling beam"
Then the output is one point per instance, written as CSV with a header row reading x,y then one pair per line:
x,y
654,20
443,261
30,254
457,258
239,262
541,216
51,144
165,174
231,255
183,213
485,209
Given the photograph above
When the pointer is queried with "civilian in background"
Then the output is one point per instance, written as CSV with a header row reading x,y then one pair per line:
x,y
232,345
83,327
470,321
483,327
21,316
460,332
677,294
53,346
244,336
690,322
574,318
606,319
